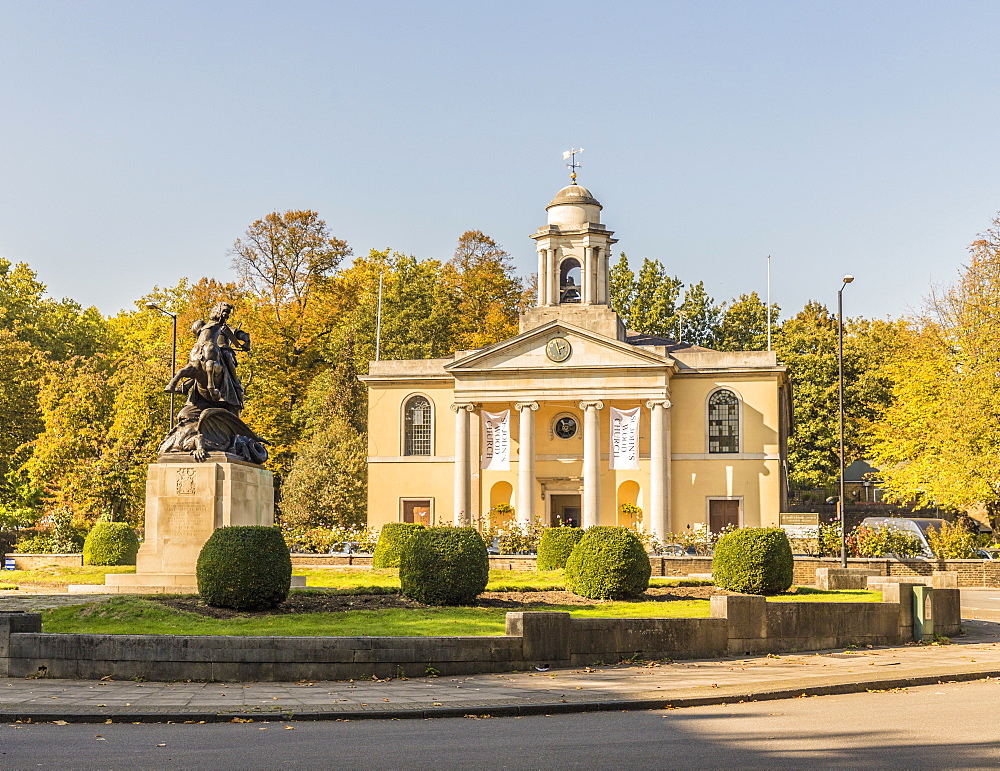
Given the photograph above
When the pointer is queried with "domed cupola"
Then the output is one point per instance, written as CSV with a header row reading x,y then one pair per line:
x,y
574,207
573,254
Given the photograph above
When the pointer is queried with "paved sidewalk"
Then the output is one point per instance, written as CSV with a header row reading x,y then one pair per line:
x,y
645,686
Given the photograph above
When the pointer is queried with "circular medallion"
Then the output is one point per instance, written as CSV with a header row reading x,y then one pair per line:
x,y
558,349
565,426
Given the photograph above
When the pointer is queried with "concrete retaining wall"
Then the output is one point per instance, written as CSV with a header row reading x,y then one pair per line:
x,y
35,561
738,625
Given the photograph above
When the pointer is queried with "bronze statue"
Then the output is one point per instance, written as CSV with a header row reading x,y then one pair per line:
x,y
210,420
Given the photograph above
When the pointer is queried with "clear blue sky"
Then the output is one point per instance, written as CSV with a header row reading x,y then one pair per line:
x,y
139,139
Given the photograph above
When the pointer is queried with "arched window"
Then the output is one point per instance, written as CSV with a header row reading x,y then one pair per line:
x,y
417,422
569,281
723,422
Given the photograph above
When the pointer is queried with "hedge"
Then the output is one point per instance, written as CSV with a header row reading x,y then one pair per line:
x,y
608,563
392,539
753,560
556,545
110,543
244,567
444,566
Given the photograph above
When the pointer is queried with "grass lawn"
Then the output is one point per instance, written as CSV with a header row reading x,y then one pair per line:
x,y
136,615
59,577
358,580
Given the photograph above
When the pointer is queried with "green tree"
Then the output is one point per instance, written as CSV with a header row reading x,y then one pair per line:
x,y
75,402
700,314
60,328
621,287
21,368
807,345
744,325
653,309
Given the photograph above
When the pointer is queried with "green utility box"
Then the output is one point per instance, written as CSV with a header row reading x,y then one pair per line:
x,y
923,614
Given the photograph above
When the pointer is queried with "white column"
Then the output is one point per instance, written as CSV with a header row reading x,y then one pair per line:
x,y
554,298
600,258
592,274
591,462
542,285
659,467
463,468
587,295
526,462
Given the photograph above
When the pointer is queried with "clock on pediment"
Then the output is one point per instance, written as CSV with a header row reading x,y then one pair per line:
x,y
558,349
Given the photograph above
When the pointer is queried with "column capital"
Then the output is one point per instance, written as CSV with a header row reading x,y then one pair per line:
x,y
521,406
592,405
459,406
664,403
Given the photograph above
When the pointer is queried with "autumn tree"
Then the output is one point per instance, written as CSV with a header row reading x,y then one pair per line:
x,y
489,295
286,263
938,443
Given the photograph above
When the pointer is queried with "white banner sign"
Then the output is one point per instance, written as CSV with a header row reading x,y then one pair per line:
x,y
625,438
496,441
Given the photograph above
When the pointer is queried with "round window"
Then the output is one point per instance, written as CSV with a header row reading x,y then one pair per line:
x,y
565,426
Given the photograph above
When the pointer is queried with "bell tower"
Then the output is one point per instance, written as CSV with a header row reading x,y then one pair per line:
x,y
573,257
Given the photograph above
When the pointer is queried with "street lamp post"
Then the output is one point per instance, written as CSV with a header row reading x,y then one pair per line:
x,y
840,389
173,357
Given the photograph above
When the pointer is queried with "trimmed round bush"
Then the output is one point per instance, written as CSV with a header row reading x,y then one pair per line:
x,y
608,563
556,545
444,566
392,539
753,560
110,543
244,567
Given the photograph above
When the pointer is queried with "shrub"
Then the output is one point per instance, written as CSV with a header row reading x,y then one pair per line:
x,y
516,538
391,543
34,542
952,542
556,545
754,560
110,543
444,566
883,540
608,563
244,568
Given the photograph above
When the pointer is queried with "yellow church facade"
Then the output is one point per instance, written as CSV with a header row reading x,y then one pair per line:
x,y
577,420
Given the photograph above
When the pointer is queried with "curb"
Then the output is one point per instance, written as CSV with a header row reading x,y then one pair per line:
x,y
728,695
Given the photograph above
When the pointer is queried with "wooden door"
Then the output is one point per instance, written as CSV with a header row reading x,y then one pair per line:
x,y
723,513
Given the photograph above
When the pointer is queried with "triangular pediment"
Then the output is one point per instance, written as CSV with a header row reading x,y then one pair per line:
x,y
534,349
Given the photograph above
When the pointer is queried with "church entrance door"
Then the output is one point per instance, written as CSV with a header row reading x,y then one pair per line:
x,y
565,510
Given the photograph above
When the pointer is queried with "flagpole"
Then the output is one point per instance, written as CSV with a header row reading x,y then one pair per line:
x,y
769,302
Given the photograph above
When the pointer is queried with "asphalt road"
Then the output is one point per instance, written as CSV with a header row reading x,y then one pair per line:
x,y
941,726
981,603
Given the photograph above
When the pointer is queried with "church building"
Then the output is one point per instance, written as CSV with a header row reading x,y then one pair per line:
x,y
577,420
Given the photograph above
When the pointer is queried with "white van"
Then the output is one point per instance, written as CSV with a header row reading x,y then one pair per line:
x,y
916,526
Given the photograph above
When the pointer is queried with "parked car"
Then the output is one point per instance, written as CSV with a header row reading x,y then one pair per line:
x,y
347,548
915,526
680,550
988,554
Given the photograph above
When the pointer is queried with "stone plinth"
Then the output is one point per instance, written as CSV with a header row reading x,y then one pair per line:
x,y
185,502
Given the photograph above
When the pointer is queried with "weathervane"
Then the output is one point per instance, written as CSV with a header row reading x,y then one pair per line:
x,y
570,155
